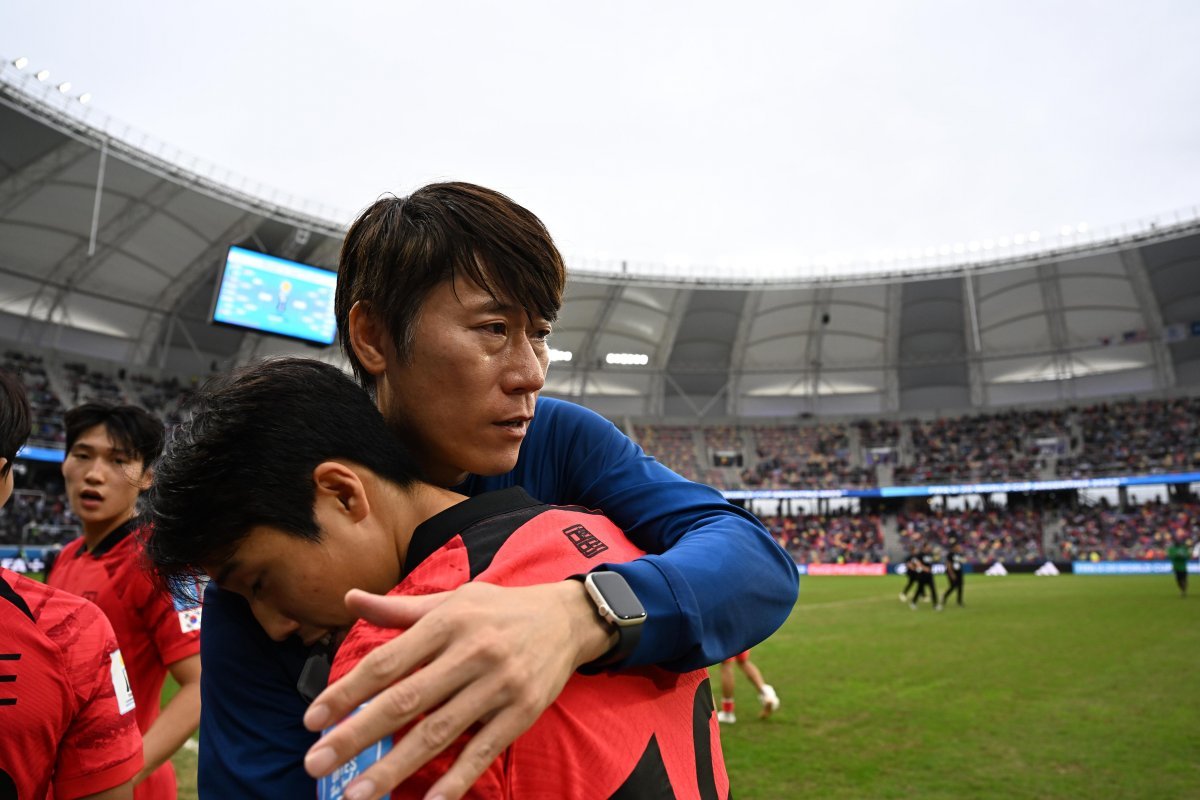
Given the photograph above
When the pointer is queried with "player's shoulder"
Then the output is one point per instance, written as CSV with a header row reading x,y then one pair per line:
x,y
62,618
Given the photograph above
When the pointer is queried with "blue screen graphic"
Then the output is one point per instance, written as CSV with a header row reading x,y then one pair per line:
x,y
274,295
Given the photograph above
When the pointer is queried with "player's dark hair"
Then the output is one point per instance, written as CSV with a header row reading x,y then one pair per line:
x,y
15,422
131,428
401,248
244,456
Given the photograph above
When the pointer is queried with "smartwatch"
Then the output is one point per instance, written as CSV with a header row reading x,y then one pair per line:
x,y
618,606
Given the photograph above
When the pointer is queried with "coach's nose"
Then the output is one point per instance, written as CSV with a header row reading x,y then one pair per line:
x,y
278,626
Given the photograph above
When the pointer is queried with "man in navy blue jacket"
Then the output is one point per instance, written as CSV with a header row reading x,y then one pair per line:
x,y
445,301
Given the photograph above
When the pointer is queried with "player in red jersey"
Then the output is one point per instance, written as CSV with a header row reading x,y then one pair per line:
x,y
109,450
766,692
319,498
66,727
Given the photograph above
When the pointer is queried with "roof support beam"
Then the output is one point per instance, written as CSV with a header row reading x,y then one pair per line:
x,y
737,355
589,358
21,185
975,381
78,264
186,284
1139,278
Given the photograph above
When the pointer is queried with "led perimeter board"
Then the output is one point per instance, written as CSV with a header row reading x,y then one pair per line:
x,y
276,296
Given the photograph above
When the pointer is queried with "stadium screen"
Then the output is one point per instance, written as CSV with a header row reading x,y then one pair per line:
x,y
272,295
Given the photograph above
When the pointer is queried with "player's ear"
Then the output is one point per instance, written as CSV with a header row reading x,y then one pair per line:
x,y
146,479
338,484
369,338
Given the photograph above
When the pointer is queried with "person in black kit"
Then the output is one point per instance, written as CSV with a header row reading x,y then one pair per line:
x,y
925,579
954,574
912,568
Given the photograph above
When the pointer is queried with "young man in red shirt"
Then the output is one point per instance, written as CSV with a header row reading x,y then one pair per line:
x,y
110,450
66,718
318,498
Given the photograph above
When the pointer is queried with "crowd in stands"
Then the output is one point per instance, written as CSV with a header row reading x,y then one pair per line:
x,y
986,535
36,517
47,408
833,539
1107,533
980,448
673,445
1137,436
808,457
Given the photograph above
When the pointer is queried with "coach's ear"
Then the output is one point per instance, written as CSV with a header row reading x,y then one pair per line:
x,y
339,489
369,338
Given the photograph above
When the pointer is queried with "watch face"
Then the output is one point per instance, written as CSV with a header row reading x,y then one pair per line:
x,y
618,596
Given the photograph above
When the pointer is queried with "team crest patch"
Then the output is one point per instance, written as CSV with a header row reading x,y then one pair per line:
x,y
585,541
189,620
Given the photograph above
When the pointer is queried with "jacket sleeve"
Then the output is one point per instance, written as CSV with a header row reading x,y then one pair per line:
x,y
714,583
252,738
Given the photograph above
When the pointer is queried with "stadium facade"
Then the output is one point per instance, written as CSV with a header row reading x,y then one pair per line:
x,y
109,249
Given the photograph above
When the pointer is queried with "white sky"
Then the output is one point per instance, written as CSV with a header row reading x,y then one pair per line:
x,y
751,134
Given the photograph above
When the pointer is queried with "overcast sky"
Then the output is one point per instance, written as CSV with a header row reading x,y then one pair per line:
x,y
730,134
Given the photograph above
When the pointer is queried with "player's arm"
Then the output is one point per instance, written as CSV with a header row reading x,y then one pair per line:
x,y
101,750
178,719
716,585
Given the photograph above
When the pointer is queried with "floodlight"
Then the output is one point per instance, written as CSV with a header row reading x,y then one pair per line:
x,y
988,244
21,62
628,359
1034,236
42,74
85,98
1082,227
1065,230
974,246
560,355
64,87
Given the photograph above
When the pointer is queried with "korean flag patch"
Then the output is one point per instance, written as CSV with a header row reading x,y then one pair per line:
x,y
189,620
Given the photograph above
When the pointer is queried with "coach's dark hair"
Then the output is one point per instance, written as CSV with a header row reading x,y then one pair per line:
x,y
400,249
244,457
130,427
15,423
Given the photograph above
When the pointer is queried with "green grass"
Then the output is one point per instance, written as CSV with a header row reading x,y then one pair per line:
x,y
1039,688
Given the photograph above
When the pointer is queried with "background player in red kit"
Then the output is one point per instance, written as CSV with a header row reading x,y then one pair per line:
x,y
66,720
766,693
109,453
312,508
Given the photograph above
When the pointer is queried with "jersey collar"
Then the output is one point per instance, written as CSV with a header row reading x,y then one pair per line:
x,y
109,542
434,532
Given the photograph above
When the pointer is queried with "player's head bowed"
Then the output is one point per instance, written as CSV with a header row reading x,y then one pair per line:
x,y
245,455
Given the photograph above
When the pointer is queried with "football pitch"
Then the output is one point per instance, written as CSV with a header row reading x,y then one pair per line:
x,y
1061,687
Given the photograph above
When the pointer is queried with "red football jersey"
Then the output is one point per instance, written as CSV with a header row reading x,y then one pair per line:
x,y
645,732
66,711
153,629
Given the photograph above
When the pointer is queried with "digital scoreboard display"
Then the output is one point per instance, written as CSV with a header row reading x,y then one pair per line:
x,y
272,295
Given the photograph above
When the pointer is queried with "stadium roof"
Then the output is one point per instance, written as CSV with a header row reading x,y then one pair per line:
x,y
109,248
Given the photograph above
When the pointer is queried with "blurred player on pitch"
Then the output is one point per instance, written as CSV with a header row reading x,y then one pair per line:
x,y
766,692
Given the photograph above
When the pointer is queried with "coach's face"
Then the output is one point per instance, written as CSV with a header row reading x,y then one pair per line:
x,y
464,400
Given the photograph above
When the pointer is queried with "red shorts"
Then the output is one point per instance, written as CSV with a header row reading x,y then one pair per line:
x,y
741,658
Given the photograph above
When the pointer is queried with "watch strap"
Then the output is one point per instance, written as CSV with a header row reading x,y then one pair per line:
x,y
628,637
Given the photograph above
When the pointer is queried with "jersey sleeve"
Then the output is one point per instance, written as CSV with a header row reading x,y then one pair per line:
x,y
102,747
715,582
171,623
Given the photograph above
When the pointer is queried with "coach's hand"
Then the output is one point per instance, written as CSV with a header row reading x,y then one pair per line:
x,y
492,655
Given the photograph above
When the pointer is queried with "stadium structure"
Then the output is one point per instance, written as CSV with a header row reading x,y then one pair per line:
x,y
110,246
